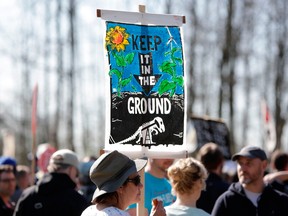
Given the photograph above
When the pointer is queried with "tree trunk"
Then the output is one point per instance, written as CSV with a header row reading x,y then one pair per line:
x,y
71,75
248,31
191,76
47,69
227,71
280,118
59,90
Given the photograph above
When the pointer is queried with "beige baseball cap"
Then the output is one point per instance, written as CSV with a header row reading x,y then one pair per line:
x,y
65,157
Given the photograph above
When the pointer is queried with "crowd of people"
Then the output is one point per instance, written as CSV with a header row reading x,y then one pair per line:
x,y
113,184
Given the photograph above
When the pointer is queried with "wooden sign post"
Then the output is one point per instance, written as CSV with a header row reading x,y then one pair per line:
x,y
34,131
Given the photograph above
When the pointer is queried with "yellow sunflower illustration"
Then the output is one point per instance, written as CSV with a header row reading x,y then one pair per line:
x,y
117,38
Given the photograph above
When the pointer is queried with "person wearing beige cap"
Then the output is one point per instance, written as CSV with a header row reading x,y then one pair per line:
x,y
251,196
55,194
118,185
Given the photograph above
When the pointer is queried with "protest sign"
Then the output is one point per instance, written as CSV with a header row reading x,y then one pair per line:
x,y
145,70
212,130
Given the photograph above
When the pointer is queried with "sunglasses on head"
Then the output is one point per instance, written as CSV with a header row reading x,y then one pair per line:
x,y
136,180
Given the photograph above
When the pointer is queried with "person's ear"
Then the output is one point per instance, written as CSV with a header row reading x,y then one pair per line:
x,y
120,189
70,170
265,164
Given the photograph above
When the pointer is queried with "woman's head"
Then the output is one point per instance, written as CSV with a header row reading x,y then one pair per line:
x,y
131,186
116,178
187,175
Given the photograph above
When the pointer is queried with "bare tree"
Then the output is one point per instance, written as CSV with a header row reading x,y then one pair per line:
x,y
227,69
71,74
217,54
168,6
280,117
247,43
192,55
60,80
26,63
47,71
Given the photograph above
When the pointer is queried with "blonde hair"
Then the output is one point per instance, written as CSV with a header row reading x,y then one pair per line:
x,y
185,173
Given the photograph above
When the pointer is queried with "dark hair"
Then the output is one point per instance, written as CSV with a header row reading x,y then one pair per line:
x,y
52,167
107,198
279,160
22,170
6,168
111,197
211,156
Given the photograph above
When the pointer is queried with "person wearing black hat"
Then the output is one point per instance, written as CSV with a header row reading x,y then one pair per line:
x,y
251,196
118,185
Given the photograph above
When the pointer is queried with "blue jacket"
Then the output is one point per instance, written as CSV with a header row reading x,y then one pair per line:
x,y
234,202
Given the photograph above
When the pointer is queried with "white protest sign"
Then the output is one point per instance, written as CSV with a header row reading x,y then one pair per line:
x,y
145,74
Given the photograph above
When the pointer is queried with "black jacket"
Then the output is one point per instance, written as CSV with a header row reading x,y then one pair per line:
x,y
4,210
234,202
55,195
215,186
280,186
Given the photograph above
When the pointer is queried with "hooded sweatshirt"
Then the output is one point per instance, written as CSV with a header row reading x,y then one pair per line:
x,y
234,202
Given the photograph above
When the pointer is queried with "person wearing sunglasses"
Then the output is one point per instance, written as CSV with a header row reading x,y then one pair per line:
x,y
118,185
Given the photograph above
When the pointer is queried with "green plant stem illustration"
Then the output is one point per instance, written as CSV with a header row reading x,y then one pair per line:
x,y
122,61
169,67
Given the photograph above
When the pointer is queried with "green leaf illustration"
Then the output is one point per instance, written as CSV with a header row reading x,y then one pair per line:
x,y
120,61
166,86
116,72
134,88
125,82
178,80
129,58
167,67
179,60
167,53
172,91
175,49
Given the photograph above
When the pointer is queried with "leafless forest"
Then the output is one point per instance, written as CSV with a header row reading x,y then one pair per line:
x,y
235,56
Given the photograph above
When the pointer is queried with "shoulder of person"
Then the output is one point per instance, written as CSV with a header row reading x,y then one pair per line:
x,y
113,211
92,211
271,192
30,191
